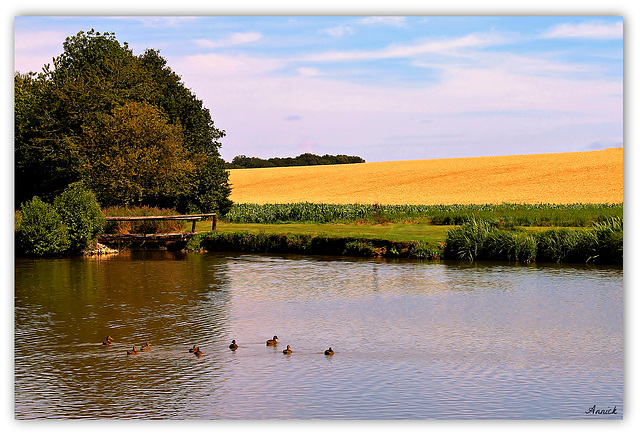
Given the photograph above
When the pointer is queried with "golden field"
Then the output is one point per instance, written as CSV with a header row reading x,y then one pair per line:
x,y
560,178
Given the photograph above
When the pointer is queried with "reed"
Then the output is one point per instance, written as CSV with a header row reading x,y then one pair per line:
x,y
602,243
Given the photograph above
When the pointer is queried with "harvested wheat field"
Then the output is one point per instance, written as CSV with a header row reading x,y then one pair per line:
x,y
562,178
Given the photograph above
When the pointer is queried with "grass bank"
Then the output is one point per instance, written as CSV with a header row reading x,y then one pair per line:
x,y
476,239
322,244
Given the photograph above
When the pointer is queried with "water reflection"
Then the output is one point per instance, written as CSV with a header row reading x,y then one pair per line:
x,y
412,340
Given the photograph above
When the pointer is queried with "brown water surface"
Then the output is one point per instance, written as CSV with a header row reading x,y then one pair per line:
x,y
412,340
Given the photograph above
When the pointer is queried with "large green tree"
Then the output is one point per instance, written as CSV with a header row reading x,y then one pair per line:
x,y
124,125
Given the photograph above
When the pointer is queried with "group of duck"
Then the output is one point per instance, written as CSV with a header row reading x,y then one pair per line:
x,y
274,342
134,350
197,352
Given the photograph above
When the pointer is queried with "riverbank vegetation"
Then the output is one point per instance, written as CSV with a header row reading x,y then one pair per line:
x,y
68,226
505,232
476,239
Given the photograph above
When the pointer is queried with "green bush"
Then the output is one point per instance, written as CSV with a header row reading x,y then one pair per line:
x,y
40,231
360,248
80,212
424,251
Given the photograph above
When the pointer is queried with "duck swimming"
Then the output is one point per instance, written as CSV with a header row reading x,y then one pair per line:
x,y
107,341
145,347
273,341
193,349
133,351
197,352
328,351
233,345
287,350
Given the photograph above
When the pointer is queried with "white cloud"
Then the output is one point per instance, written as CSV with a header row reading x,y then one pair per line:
x,y
159,21
338,31
231,40
595,30
387,21
405,50
204,66
308,72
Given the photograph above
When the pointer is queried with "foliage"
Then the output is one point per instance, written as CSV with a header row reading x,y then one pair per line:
x,y
80,212
502,215
306,159
244,241
425,251
148,166
360,248
113,120
40,230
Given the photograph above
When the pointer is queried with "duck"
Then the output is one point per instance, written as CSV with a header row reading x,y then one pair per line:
x,y
107,341
193,349
329,351
197,352
287,350
133,351
273,341
233,345
145,347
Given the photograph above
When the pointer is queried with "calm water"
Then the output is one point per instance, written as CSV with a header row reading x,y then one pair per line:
x,y
412,340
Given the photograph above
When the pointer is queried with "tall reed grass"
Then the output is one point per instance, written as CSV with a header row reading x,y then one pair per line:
x,y
481,240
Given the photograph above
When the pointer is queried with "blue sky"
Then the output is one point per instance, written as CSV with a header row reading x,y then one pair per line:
x,y
380,87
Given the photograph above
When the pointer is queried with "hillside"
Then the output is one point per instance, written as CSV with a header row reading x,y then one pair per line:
x,y
561,178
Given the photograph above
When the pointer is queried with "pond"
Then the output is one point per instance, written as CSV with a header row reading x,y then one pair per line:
x,y
412,340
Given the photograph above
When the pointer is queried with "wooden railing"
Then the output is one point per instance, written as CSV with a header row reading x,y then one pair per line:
x,y
179,217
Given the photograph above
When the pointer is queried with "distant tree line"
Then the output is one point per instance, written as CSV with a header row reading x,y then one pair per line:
x,y
306,159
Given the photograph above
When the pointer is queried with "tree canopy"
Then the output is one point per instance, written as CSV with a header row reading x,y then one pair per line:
x,y
124,125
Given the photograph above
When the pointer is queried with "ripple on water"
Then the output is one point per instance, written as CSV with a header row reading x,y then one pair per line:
x,y
412,340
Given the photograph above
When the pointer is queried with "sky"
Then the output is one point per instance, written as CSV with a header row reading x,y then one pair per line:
x,y
382,87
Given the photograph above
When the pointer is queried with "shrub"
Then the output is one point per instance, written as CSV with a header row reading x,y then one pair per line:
x,y
424,251
360,248
40,230
80,212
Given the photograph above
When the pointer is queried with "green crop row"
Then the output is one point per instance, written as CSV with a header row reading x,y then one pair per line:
x,y
507,215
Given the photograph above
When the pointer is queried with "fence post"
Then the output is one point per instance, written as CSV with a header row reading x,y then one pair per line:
x,y
214,222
